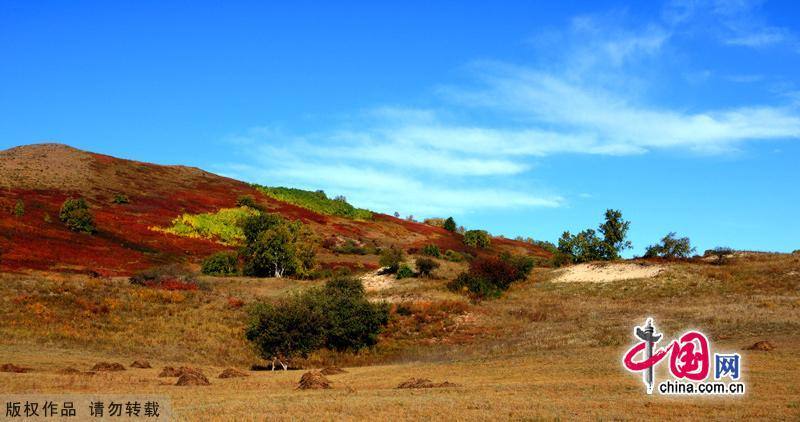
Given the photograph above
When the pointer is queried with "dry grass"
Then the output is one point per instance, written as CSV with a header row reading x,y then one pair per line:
x,y
545,350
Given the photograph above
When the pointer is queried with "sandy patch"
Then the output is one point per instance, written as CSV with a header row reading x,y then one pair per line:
x,y
607,272
375,281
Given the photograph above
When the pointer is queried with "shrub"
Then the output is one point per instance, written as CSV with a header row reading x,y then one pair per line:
x,y
249,202
221,263
670,247
169,277
721,252
477,238
391,258
453,256
523,264
337,316
449,224
432,250
19,208
404,271
426,266
350,247
434,221
489,277
120,199
76,215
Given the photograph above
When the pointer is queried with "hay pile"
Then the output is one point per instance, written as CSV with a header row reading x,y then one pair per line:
x,y
762,346
169,371
332,370
10,367
73,371
313,381
192,378
142,364
108,366
424,383
232,373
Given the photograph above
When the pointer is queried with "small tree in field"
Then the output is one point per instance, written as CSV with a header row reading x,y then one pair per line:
x,y
19,208
276,248
221,263
76,215
614,231
671,247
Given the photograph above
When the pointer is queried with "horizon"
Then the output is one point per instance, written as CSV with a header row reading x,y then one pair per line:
x,y
521,120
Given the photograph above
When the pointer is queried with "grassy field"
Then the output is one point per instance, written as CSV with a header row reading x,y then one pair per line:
x,y
545,350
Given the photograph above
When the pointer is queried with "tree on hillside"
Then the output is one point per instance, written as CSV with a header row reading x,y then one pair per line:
x,y
275,247
449,224
76,215
582,247
670,247
614,231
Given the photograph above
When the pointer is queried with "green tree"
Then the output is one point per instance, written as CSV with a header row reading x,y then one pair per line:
x,y
404,271
670,247
276,248
450,224
76,215
614,231
337,316
583,247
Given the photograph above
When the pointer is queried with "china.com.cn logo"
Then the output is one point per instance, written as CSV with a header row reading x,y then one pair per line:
x,y
689,364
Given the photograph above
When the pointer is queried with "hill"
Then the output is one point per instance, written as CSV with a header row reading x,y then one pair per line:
x,y
42,176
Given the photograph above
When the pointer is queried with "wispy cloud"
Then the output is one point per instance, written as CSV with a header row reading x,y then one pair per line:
x,y
590,98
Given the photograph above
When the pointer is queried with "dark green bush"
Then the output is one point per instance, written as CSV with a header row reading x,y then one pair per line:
x,y
121,199
404,271
453,256
221,263
76,215
248,201
432,250
426,266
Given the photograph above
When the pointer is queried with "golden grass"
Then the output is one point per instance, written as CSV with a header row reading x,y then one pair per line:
x,y
543,351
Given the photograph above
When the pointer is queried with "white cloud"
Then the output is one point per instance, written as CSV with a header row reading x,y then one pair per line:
x,y
590,98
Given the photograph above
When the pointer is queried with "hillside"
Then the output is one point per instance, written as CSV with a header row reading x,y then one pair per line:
x,y
42,176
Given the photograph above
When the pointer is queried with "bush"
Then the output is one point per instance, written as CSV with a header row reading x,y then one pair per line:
x,y
76,215
350,247
391,258
670,247
432,250
221,263
426,266
19,208
404,271
224,226
453,256
477,238
120,199
523,264
338,317
721,252
171,276
450,224
583,247
249,202
489,277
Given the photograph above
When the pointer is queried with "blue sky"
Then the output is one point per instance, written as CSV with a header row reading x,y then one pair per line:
x,y
523,118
